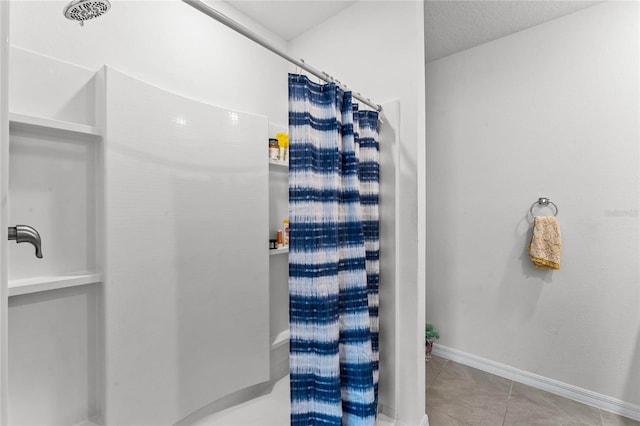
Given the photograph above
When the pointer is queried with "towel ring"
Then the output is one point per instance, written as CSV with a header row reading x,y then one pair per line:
x,y
543,201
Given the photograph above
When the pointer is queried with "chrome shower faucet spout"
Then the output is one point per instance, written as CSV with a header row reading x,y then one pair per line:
x,y
26,234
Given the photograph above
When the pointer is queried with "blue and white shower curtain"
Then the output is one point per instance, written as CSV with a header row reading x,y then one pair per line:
x,y
333,256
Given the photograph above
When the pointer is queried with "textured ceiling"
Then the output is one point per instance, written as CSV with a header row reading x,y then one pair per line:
x,y
289,18
453,26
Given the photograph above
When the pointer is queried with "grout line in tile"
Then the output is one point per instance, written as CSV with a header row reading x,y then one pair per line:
x,y
453,417
601,417
438,373
443,366
504,418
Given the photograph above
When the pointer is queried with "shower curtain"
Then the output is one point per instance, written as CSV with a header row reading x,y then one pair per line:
x,y
333,256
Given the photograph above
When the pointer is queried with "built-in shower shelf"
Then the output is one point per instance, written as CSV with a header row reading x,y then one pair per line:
x,y
278,251
278,163
37,284
87,423
280,339
25,121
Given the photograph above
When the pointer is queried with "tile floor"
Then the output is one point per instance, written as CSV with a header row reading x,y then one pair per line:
x,y
458,395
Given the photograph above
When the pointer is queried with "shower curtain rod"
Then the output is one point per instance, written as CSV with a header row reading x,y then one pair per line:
x,y
208,10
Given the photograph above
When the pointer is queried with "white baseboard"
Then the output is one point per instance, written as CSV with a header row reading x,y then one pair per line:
x,y
566,390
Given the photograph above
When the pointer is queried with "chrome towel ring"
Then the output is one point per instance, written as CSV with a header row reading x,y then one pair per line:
x,y
543,201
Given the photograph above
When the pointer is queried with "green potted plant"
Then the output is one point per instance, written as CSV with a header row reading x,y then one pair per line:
x,y
430,334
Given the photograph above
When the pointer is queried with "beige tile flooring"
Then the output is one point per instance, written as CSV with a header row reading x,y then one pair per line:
x,y
458,395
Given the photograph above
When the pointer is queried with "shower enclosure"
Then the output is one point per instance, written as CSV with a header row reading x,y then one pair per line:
x,y
140,156
163,207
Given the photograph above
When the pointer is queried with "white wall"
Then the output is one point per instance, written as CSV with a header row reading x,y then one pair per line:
x,y
165,43
551,111
376,48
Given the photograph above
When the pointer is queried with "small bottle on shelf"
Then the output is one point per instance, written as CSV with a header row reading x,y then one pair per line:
x,y
285,226
279,239
283,144
274,149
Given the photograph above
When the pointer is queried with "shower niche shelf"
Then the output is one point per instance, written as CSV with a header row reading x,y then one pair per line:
x,y
278,264
53,184
280,339
281,250
29,122
38,284
279,163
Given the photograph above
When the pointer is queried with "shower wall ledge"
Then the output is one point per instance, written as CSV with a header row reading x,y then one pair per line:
x,y
34,122
87,423
280,339
280,250
38,284
279,163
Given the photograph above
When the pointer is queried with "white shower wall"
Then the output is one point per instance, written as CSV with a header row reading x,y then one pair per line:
x,y
53,335
172,46
212,190
165,43
168,44
186,322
